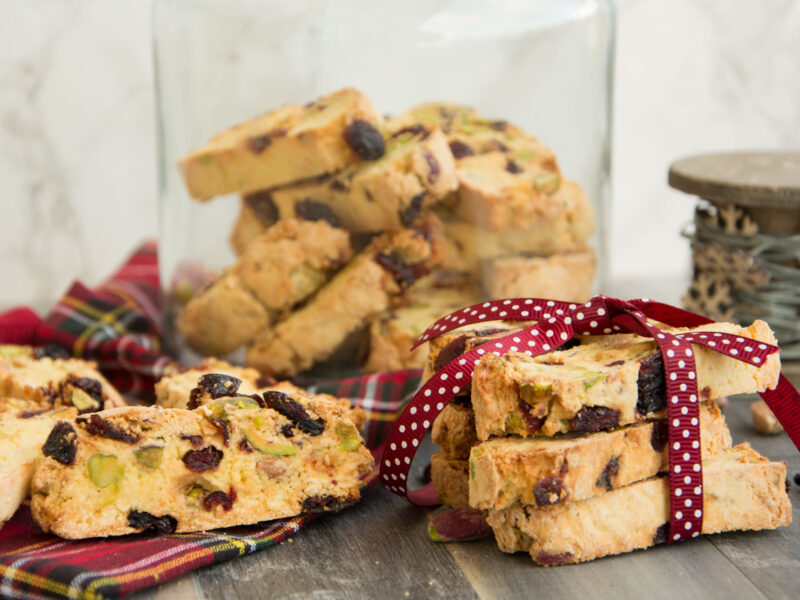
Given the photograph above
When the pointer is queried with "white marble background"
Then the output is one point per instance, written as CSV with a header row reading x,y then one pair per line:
x,y
77,133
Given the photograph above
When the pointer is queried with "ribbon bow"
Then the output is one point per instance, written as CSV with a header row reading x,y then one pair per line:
x,y
557,322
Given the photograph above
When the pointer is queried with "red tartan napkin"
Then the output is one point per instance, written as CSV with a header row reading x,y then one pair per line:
x,y
118,326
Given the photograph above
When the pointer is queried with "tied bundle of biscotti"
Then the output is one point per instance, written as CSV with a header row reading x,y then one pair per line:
x,y
566,451
221,447
356,226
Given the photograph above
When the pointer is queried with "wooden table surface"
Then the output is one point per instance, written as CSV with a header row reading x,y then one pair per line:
x,y
380,549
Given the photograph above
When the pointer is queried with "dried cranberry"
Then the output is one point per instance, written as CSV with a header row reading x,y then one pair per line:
x,y
705,393
544,558
545,490
287,430
659,436
223,428
365,140
460,149
294,411
433,165
451,350
513,167
532,423
499,125
144,521
61,443
410,213
96,425
403,273
595,418
263,206
651,385
317,504
609,474
259,143
199,461
661,534
265,381
92,387
53,351
311,210
221,498
194,440
615,363
28,414
244,445
215,385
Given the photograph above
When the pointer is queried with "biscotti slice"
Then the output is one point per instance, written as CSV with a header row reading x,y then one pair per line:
x,y
454,428
289,144
51,379
174,388
545,471
23,429
391,335
231,463
387,194
450,478
471,243
741,491
567,277
359,292
281,267
594,387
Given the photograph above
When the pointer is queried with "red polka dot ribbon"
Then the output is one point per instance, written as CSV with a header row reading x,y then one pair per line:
x,y
557,322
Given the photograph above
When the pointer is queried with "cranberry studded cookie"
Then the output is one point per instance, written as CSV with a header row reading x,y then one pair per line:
x,y
48,377
359,292
24,427
281,267
234,461
602,386
286,145
741,491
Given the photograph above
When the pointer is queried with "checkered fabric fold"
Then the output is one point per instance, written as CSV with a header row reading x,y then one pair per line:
x,y
117,325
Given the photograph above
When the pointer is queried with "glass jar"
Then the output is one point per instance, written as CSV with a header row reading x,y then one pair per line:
x,y
543,66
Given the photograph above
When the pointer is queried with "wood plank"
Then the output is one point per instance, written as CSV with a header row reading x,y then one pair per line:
x,y
184,588
687,570
376,549
770,559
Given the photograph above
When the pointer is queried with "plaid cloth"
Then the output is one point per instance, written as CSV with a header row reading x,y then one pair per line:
x,y
118,326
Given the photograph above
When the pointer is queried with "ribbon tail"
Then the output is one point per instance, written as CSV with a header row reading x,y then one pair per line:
x,y
784,402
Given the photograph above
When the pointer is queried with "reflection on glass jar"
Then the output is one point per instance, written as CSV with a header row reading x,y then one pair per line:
x,y
392,163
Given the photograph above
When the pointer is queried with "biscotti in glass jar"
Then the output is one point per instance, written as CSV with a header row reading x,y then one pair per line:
x,y
336,175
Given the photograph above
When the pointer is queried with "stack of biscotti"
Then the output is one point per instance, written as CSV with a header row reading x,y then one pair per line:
x,y
514,217
330,185
217,458
567,450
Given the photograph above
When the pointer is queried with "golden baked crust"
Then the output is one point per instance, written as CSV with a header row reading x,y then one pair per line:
x,y
23,430
281,267
359,292
285,145
742,490
454,430
545,471
54,382
450,478
567,277
594,386
223,464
